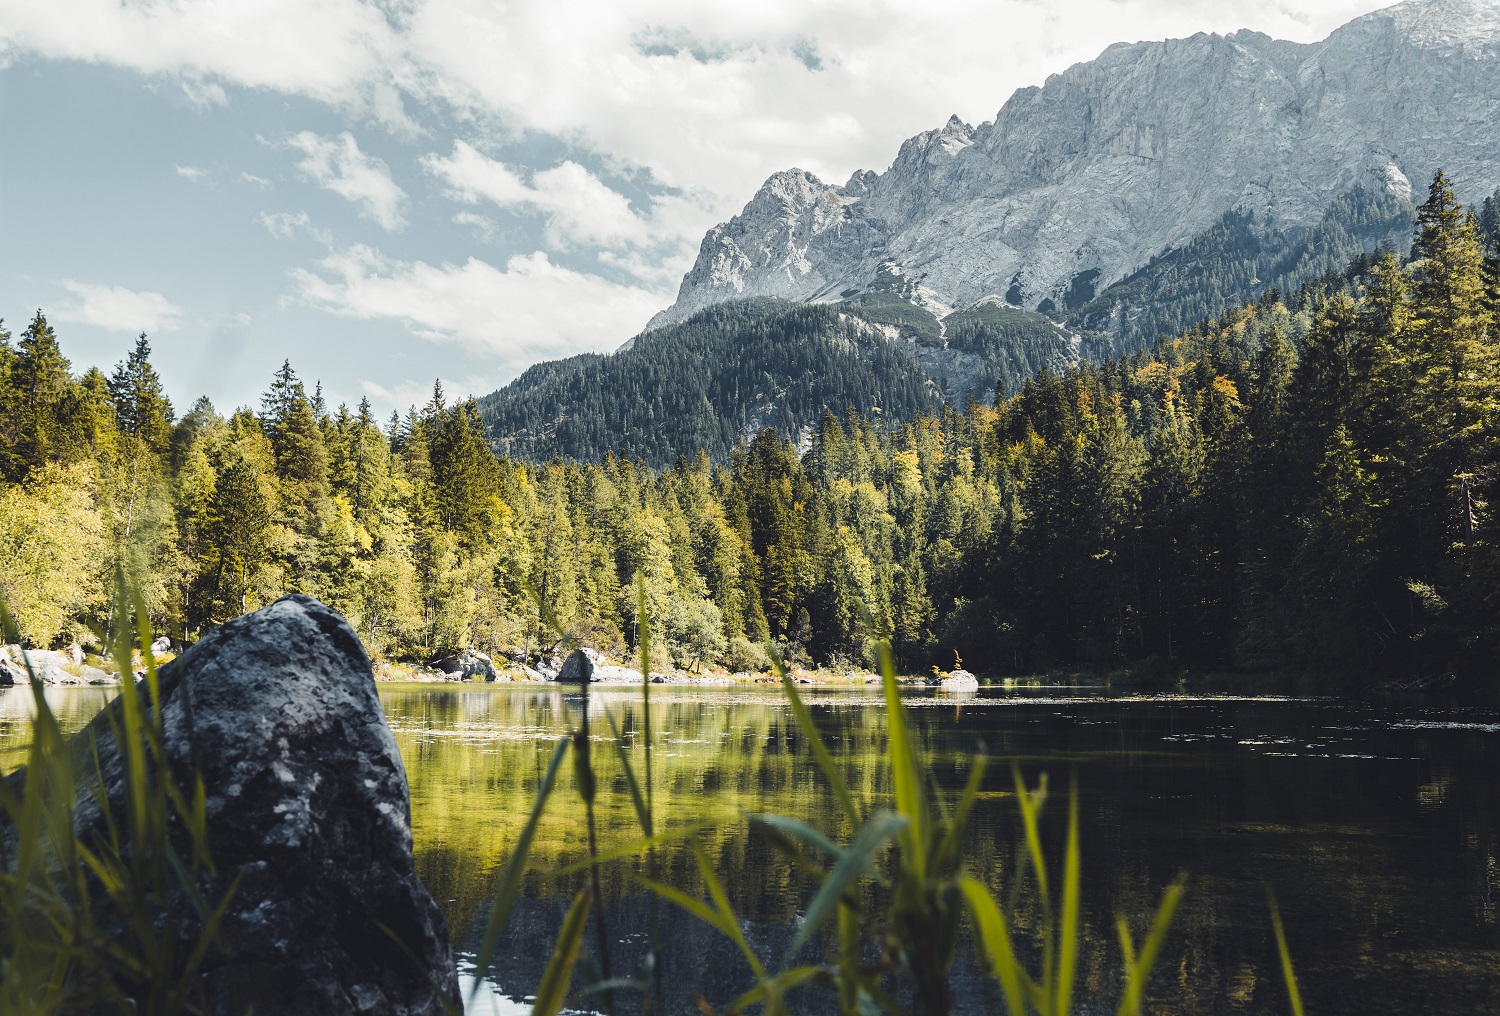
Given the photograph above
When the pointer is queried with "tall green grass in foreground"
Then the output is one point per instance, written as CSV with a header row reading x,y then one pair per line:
x,y
80,913
891,905
82,929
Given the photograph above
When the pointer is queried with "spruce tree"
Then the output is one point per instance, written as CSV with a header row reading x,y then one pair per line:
x,y
39,387
142,408
292,426
239,520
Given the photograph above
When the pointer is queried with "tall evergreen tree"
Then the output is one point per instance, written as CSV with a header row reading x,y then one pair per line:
x,y
142,408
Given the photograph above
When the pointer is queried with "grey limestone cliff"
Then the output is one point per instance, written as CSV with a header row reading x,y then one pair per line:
x,y
1081,181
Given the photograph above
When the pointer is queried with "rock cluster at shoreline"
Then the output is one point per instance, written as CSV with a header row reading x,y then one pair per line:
x,y
52,667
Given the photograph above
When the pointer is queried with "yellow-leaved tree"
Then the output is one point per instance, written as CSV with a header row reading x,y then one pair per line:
x,y
51,550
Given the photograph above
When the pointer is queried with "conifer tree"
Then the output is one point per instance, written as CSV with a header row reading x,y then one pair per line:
x,y
238,524
38,387
142,408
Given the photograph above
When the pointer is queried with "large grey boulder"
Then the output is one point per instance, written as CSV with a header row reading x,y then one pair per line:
x,y
308,808
588,666
465,665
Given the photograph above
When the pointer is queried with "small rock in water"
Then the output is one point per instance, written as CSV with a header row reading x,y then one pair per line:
x,y
308,808
959,680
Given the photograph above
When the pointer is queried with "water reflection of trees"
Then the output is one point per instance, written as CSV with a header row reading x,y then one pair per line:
x,y
1385,868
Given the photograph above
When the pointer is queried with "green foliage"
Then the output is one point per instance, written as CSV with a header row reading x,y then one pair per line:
x,y
915,323
82,928
1238,260
51,541
1016,344
1304,483
729,370
142,408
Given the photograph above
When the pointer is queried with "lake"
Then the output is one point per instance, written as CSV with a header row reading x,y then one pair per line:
x,y
1377,827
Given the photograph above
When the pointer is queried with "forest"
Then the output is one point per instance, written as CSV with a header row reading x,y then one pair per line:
x,y
1305,488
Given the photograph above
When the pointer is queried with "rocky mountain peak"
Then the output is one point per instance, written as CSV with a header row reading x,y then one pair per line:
x,y
1468,26
1081,181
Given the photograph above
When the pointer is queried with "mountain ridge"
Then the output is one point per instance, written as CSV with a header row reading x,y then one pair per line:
x,y
1080,182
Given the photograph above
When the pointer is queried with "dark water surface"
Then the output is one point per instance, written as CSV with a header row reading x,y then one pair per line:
x,y
1377,827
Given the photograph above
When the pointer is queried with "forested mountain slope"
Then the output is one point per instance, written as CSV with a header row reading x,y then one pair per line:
x,y
715,380
1306,485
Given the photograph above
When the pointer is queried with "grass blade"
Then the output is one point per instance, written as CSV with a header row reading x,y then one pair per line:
x,y
627,850
999,953
553,991
1031,808
949,846
771,991
1067,932
799,830
1140,971
1293,995
515,868
905,772
875,834
721,903
642,814
691,904
825,761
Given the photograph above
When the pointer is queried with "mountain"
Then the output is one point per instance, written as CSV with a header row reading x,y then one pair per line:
x,y
738,366
1125,199
1135,193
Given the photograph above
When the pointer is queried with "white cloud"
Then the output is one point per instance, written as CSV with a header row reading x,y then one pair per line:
x,y
257,181
530,310
718,96
342,52
337,164
289,225
195,174
581,209
706,95
118,309
485,228
698,97
203,93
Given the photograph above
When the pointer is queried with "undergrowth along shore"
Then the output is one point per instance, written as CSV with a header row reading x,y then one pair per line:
x,y
891,910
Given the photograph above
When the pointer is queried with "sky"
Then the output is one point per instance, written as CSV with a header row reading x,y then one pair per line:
x,y
392,192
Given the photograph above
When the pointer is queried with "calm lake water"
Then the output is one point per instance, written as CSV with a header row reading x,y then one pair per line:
x,y
1377,828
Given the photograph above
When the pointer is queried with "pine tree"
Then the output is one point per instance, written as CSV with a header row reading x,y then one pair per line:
x,y
296,437
39,385
1458,374
464,473
238,524
142,408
